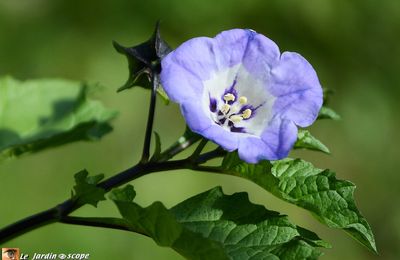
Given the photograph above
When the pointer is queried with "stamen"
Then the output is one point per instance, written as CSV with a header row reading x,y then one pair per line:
x,y
236,118
225,108
231,112
247,113
243,100
229,97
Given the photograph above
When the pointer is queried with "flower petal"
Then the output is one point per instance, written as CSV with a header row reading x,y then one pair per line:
x,y
179,84
228,140
253,149
275,143
195,117
184,69
280,136
230,47
200,123
260,56
295,84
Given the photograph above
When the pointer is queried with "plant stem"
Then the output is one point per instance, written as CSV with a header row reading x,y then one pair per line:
x,y
59,212
112,223
150,120
185,141
199,149
25,225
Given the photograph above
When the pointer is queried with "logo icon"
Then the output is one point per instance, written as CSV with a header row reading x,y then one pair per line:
x,y
10,254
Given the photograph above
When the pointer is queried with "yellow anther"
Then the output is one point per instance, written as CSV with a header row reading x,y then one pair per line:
x,y
236,118
246,114
225,108
229,97
243,100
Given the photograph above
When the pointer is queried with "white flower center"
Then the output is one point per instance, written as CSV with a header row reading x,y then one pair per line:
x,y
237,101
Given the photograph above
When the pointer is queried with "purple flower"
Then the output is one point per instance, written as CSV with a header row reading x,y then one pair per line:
x,y
238,90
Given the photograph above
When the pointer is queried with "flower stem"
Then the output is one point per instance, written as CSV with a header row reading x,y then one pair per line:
x,y
150,120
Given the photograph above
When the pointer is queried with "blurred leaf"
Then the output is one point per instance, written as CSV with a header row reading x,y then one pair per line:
x,y
86,191
307,141
43,113
144,60
328,113
298,182
213,225
327,93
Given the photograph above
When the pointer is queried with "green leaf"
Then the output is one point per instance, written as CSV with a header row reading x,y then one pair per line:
x,y
44,113
86,191
307,141
328,113
126,194
213,225
298,182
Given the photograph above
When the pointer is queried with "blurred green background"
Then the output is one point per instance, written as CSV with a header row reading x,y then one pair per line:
x,y
353,45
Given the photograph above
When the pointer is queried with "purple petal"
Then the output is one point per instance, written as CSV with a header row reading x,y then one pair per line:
x,y
228,140
260,56
195,116
185,69
230,46
280,136
275,143
196,56
178,83
295,84
253,149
